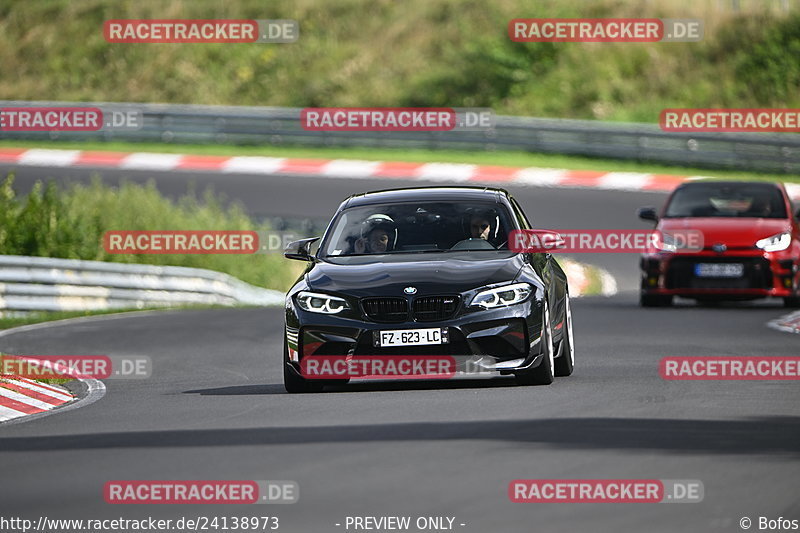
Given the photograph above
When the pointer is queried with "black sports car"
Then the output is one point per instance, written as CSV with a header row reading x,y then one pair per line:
x,y
424,273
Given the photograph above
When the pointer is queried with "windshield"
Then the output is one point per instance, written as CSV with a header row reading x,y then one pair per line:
x,y
418,228
760,200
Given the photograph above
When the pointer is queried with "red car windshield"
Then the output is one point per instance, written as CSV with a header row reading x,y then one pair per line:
x,y
756,200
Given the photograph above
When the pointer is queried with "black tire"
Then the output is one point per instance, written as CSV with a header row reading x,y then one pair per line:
x,y
565,362
655,300
792,302
293,383
542,374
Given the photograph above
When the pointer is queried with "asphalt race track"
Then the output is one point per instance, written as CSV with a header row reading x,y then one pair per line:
x,y
215,407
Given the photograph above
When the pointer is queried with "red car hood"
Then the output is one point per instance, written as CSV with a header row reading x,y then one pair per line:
x,y
733,232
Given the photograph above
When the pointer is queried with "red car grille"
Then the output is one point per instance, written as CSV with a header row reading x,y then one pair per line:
x,y
681,274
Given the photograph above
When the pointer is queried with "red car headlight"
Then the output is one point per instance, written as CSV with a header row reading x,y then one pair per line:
x,y
775,243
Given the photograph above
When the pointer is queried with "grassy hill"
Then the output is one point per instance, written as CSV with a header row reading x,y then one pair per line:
x,y
413,52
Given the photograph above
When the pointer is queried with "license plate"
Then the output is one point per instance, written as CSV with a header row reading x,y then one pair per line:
x,y
410,337
719,270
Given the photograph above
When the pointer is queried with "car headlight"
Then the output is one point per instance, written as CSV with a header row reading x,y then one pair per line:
x,y
503,296
666,243
316,302
776,243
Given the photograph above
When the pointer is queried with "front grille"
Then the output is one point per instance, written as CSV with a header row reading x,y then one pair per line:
x,y
757,274
424,308
386,309
433,308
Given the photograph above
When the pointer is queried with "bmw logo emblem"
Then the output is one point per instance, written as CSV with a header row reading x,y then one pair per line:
x,y
410,290
719,247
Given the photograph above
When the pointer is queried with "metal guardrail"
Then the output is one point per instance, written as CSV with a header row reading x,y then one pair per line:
x,y
768,152
48,284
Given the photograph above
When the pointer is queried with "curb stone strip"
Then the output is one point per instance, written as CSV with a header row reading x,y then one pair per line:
x,y
348,168
789,323
19,402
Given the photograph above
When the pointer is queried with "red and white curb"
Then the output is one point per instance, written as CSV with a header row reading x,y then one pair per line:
x,y
348,168
21,397
789,323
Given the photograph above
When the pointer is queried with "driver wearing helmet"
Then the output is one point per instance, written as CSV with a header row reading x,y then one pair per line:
x,y
483,224
378,235
480,227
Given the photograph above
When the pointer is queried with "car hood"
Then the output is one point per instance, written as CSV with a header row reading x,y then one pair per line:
x,y
429,275
734,232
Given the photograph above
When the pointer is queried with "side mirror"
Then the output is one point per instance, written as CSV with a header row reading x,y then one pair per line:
x,y
299,249
647,213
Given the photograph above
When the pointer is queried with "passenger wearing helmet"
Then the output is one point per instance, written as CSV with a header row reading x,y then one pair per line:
x,y
378,235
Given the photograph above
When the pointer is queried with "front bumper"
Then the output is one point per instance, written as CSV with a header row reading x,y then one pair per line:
x,y
764,275
506,338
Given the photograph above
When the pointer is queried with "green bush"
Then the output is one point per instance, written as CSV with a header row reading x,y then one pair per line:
x,y
769,61
70,223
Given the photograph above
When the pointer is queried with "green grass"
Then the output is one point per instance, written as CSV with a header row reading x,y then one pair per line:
x,y
510,159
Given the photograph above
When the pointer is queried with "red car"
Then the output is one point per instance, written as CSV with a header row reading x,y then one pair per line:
x,y
751,245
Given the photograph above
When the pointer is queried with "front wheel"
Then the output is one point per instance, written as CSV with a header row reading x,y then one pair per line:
x,y
655,300
542,374
792,302
565,363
